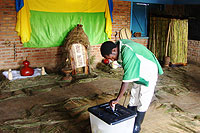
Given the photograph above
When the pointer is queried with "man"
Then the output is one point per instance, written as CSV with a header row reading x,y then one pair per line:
x,y
140,67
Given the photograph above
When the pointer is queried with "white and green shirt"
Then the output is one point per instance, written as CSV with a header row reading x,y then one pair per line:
x,y
139,64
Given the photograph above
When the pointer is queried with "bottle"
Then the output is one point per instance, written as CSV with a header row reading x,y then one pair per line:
x,y
26,70
43,71
10,76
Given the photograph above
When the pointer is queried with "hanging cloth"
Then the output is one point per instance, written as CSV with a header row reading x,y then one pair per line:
x,y
178,39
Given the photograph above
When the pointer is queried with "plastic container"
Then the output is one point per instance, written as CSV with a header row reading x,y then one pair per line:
x,y
104,120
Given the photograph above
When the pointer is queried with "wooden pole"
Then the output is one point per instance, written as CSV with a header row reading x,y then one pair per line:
x,y
154,37
167,42
166,58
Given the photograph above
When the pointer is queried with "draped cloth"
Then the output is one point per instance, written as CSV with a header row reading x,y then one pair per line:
x,y
173,32
43,23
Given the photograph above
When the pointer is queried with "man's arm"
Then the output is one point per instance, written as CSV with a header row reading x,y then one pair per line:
x,y
123,89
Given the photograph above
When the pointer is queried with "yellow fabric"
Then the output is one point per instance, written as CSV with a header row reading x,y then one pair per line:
x,y
68,5
23,23
23,16
178,41
108,20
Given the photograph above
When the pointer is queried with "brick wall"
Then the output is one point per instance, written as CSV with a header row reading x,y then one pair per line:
x,y
121,19
12,52
121,16
11,57
142,41
194,52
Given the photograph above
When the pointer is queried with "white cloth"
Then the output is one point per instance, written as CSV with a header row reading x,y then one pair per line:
x,y
141,96
16,74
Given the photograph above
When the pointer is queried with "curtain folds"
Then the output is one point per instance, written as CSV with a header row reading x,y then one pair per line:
x,y
84,10
169,37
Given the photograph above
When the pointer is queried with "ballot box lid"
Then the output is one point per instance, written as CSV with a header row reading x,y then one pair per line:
x,y
105,113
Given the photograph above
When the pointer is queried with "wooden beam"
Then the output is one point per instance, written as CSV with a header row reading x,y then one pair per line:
x,y
152,1
175,2
185,2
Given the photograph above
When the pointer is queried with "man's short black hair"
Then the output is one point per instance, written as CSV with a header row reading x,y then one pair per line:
x,y
106,48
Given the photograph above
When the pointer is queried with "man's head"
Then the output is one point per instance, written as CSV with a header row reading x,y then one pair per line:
x,y
109,50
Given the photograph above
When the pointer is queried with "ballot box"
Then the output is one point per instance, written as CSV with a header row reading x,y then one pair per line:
x,y
105,120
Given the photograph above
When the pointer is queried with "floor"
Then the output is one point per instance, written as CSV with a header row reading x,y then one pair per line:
x,y
48,104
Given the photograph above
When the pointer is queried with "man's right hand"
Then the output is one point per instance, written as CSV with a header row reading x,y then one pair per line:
x,y
113,102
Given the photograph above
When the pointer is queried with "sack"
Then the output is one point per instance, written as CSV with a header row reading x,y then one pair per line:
x,y
125,33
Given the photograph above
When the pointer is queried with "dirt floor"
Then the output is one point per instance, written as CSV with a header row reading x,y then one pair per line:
x,y
46,104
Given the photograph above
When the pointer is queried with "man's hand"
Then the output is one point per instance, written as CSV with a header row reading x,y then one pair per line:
x,y
113,102
123,88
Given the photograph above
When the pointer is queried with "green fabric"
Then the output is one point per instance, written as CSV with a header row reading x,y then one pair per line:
x,y
49,29
139,64
129,59
143,51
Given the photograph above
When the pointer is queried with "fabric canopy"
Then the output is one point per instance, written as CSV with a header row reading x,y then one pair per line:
x,y
45,24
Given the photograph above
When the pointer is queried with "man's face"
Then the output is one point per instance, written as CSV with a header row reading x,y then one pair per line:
x,y
113,56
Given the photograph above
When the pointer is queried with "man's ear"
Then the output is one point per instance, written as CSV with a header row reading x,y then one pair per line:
x,y
114,51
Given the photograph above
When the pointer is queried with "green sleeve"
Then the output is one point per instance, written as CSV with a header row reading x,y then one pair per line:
x,y
130,64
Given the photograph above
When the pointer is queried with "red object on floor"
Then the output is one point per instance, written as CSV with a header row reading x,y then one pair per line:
x,y
26,70
106,61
